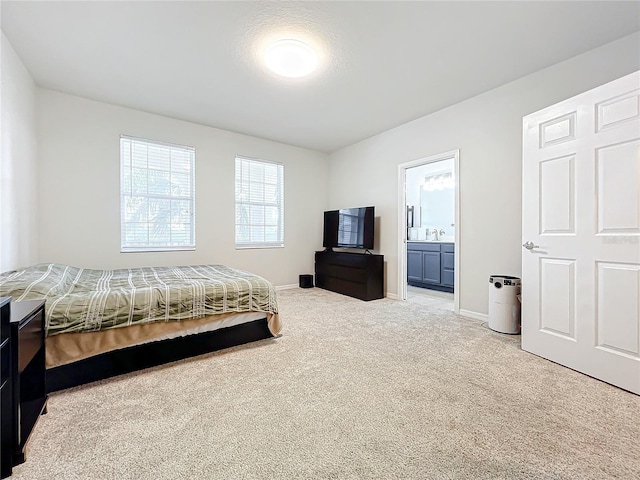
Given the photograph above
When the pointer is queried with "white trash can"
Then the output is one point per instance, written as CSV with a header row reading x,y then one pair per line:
x,y
504,304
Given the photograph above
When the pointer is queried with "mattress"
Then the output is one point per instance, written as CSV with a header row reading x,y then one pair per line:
x,y
80,300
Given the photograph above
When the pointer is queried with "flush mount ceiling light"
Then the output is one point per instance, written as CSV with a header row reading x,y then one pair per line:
x,y
291,58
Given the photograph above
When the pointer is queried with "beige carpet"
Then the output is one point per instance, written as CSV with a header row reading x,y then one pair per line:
x,y
351,390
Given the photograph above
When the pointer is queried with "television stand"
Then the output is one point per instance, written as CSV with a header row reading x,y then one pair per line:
x,y
354,274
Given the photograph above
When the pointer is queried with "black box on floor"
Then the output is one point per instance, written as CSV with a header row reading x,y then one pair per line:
x,y
306,281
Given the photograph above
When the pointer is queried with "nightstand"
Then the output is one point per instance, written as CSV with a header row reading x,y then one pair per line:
x,y
6,399
27,371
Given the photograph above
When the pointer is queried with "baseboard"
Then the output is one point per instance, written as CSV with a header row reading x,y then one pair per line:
x,y
286,287
392,296
483,317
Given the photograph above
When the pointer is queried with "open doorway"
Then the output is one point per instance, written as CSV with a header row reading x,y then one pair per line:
x,y
428,231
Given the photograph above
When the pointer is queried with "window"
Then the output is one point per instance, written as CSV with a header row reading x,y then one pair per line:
x,y
259,203
157,196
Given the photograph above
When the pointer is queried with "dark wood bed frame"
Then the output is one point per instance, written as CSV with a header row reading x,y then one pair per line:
x,y
152,354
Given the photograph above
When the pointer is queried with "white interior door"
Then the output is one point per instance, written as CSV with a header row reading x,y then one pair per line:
x,y
581,233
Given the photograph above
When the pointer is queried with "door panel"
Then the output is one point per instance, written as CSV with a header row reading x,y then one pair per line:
x,y
618,109
558,130
557,192
581,210
558,297
618,299
618,192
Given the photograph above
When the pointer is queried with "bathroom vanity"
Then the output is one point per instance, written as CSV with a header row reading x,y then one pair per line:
x,y
430,265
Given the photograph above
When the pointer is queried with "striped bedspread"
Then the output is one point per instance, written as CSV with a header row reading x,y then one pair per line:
x,y
84,300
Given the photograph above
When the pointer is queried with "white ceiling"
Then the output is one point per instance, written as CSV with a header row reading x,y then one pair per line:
x,y
382,63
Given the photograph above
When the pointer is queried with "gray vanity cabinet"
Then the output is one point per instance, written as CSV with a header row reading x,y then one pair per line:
x,y
430,265
446,259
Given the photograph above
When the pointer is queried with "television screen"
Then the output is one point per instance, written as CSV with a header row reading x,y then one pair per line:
x,y
349,228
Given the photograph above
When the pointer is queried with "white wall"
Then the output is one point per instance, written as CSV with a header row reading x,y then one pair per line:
x,y
18,163
487,130
79,213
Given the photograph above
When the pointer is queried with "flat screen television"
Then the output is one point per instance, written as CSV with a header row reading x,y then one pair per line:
x,y
349,228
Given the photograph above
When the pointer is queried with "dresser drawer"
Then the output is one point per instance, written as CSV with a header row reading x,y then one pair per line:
x,y
350,274
338,285
447,278
344,259
448,261
448,247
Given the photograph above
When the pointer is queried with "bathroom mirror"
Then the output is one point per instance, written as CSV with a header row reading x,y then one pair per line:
x,y
437,199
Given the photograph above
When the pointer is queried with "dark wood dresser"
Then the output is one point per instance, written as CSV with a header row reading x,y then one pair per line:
x,y
27,371
6,399
355,274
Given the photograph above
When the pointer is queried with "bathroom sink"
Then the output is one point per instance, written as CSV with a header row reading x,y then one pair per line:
x,y
447,238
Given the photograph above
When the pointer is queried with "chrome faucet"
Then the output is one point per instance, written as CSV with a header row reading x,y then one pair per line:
x,y
434,232
442,232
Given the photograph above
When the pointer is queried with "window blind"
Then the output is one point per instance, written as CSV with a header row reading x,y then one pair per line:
x,y
157,196
259,203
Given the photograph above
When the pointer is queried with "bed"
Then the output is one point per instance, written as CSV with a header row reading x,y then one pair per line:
x,y
101,323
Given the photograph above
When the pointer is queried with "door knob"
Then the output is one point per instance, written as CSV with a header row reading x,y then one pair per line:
x,y
529,245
